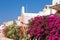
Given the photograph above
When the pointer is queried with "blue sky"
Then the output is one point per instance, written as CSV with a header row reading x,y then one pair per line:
x,y
11,9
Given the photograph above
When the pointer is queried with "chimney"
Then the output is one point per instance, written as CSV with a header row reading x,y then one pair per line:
x,y
23,10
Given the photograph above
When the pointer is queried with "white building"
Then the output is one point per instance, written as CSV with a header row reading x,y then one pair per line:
x,y
46,11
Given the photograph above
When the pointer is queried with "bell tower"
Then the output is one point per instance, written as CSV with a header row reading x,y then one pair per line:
x,y
54,2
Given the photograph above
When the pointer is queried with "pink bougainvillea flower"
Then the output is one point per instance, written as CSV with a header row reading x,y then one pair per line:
x,y
45,27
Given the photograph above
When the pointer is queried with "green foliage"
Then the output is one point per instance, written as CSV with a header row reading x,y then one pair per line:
x,y
12,31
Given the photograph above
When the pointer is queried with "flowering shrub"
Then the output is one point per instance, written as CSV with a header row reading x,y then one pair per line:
x,y
13,32
44,28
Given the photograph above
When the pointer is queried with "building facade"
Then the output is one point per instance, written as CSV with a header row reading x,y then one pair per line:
x,y
46,11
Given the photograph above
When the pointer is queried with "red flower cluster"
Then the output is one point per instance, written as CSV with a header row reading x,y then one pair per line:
x,y
45,27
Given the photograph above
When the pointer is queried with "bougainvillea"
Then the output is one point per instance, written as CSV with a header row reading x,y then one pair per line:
x,y
44,28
